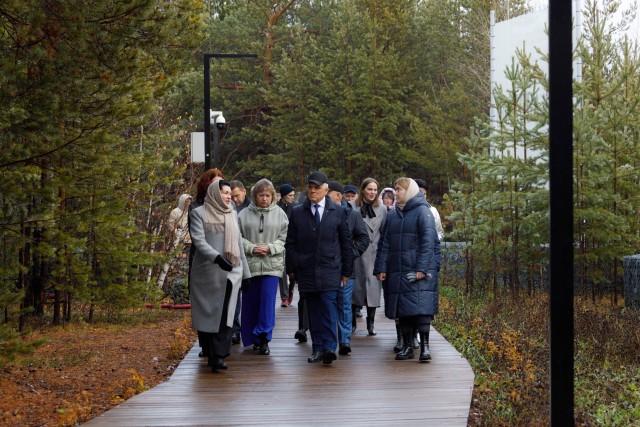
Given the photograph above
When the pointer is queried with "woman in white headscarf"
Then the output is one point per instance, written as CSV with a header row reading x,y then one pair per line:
x,y
407,263
217,270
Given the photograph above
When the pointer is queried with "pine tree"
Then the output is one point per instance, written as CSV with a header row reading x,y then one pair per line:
x,y
79,79
508,228
606,151
508,199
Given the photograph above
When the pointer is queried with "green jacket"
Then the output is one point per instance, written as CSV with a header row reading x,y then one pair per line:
x,y
274,234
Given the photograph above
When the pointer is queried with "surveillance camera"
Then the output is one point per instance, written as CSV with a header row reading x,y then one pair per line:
x,y
220,121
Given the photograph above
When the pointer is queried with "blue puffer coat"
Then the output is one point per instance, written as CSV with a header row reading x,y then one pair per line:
x,y
409,244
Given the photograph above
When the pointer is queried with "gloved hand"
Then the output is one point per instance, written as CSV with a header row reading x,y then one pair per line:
x,y
223,263
411,277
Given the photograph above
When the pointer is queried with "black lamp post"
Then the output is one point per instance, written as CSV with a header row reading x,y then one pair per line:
x,y
207,103
561,213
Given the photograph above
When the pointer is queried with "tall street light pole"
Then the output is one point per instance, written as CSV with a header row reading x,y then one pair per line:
x,y
560,215
207,100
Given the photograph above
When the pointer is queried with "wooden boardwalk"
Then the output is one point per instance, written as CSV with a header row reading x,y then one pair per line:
x,y
366,388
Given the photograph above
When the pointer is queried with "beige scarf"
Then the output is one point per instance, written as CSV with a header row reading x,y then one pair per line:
x,y
221,218
412,191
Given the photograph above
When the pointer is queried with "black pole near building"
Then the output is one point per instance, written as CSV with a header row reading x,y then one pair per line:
x,y
207,100
561,212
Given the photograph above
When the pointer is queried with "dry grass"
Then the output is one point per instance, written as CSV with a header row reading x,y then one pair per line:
x,y
506,341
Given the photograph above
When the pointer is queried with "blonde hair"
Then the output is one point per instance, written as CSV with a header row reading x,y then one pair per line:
x,y
262,185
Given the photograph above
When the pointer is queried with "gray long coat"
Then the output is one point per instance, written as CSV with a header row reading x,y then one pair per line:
x,y
208,281
368,289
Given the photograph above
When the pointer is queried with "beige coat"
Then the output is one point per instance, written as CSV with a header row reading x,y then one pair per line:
x,y
207,280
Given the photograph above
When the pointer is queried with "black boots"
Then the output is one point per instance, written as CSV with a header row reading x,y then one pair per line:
x,y
398,347
316,356
370,329
344,349
216,363
407,350
301,335
204,338
425,356
264,344
235,337
415,343
371,312
407,334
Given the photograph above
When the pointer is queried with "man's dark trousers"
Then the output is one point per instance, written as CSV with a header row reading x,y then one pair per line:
x,y
323,317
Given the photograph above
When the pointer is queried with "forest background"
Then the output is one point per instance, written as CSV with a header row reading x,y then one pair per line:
x,y
100,98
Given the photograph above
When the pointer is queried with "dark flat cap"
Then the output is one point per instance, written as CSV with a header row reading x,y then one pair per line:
x,y
317,178
421,183
350,188
335,186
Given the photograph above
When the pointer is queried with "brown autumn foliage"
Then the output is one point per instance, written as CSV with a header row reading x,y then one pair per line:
x,y
505,339
83,370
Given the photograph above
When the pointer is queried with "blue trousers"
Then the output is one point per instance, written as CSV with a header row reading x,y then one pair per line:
x,y
323,316
344,312
258,308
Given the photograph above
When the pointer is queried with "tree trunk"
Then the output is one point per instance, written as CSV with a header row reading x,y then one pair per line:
x,y
24,258
40,276
57,303
67,314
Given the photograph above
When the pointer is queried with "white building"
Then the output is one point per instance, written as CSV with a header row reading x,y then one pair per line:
x,y
526,33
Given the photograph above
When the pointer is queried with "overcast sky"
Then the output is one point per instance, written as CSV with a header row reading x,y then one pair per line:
x,y
634,27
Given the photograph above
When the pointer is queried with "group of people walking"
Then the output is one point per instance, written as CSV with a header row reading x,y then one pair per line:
x,y
343,246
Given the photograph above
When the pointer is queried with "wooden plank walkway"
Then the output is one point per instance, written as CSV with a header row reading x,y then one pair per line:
x,y
366,388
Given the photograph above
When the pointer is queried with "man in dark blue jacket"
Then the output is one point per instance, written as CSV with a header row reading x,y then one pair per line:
x,y
319,256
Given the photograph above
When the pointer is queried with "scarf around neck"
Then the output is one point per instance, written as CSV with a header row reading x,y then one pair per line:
x,y
366,210
221,218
